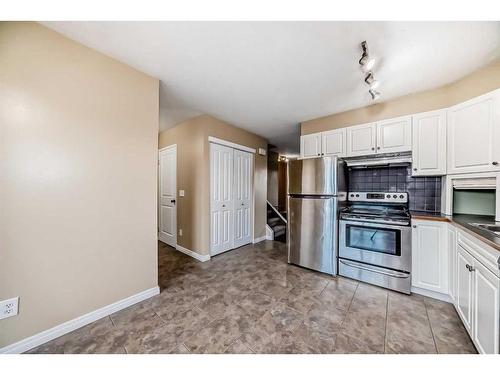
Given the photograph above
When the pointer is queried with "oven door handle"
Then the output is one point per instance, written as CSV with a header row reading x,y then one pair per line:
x,y
371,224
391,273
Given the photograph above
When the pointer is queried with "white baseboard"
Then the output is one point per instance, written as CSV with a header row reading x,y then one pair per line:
x,y
259,239
431,294
71,325
193,254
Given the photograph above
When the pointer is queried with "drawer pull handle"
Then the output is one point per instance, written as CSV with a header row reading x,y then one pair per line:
x,y
470,268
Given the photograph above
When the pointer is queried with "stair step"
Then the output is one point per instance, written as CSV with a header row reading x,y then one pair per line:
x,y
272,221
279,232
279,228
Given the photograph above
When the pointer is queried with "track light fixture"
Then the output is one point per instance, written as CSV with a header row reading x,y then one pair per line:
x,y
367,63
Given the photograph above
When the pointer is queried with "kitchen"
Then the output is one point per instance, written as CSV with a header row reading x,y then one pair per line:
x,y
407,203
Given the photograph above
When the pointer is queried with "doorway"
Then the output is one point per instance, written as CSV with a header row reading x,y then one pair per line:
x,y
167,195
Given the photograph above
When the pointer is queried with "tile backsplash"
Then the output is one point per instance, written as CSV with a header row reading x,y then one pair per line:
x,y
424,193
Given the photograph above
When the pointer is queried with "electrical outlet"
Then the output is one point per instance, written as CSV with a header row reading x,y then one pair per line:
x,y
180,232
8,307
181,193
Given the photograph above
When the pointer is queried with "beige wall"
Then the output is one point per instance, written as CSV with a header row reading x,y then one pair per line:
x,y
193,152
475,84
78,151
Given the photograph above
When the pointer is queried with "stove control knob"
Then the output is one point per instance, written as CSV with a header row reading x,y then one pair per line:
x,y
388,196
401,196
352,195
357,195
394,196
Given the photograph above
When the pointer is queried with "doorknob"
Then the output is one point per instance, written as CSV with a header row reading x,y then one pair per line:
x,y
172,201
243,204
223,205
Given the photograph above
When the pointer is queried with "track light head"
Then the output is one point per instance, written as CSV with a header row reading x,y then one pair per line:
x,y
374,93
371,81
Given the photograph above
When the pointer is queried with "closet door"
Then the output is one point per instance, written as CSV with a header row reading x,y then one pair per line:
x,y
221,199
243,167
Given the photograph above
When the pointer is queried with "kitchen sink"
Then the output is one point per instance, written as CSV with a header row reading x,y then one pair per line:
x,y
492,228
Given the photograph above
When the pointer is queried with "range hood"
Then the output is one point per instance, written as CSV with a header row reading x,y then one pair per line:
x,y
385,160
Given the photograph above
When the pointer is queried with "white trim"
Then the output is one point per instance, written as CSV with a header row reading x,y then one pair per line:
x,y
269,233
193,254
432,294
231,144
260,239
276,211
167,147
71,325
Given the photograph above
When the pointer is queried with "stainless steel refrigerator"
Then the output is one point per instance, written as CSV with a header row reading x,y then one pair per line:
x,y
316,193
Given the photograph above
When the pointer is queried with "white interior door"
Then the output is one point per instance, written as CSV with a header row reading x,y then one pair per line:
x,y
221,199
243,167
167,195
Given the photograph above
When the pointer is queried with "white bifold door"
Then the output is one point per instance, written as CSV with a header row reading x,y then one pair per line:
x,y
167,196
231,173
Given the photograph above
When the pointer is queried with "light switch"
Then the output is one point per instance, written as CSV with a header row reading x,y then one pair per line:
x,y
181,193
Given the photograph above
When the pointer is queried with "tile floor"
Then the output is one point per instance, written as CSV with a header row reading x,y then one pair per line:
x,y
250,300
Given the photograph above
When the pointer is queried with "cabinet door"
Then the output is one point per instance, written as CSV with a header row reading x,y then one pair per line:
x,y
361,139
429,256
452,263
486,310
334,142
474,135
464,287
310,146
394,135
429,143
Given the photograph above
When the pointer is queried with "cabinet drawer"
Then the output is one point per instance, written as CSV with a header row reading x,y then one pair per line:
x,y
482,252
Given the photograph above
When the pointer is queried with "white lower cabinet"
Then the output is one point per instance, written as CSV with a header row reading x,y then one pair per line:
x,y
464,288
429,256
485,309
449,264
452,264
478,293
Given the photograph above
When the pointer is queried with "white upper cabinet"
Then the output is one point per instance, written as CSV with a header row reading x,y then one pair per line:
x,y
310,146
474,135
333,142
429,144
394,135
429,256
361,139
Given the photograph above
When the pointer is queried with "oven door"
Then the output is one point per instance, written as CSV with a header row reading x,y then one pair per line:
x,y
378,244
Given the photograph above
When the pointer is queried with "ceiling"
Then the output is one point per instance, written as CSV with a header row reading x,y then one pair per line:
x,y
267,77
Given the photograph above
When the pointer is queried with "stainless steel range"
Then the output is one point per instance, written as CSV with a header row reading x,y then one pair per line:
x,y
375,240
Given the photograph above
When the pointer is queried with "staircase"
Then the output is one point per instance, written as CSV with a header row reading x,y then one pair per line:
x,y
276,220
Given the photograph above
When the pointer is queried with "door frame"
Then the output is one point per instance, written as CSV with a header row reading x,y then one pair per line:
x,y
173,146
236,146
